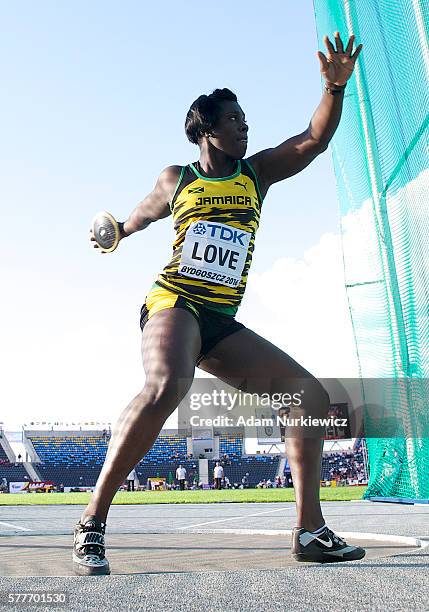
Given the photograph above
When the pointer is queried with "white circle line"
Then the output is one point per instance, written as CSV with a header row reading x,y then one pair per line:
x,y
379,537
422,542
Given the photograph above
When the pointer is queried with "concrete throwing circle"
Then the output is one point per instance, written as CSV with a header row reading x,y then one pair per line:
x,y
166,552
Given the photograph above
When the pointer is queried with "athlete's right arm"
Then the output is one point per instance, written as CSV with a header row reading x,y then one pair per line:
x,y
155,205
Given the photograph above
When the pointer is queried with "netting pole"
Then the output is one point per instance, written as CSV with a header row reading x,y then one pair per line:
x,y
423,37
365,459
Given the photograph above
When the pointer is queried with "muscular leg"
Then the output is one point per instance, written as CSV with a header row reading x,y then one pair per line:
x,y
248,362
170,346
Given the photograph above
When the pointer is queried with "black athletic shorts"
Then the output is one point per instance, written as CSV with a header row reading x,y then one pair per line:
x,y
214,326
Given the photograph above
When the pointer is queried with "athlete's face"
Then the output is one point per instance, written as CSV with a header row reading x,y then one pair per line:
x,y
230,132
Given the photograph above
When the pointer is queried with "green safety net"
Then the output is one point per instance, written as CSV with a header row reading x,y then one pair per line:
x,y
380,155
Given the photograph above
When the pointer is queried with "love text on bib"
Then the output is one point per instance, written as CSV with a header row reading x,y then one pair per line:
x,y
215,252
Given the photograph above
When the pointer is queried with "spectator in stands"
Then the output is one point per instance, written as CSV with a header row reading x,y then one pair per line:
x,y
181,477
218,474
131,478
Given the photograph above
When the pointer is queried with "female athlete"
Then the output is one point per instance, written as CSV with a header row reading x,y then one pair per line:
x,y
188,318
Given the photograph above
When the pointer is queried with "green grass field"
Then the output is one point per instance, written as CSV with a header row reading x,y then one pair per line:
x,y
181,497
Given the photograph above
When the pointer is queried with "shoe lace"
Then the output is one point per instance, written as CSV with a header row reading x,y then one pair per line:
x,y
92,558
335,538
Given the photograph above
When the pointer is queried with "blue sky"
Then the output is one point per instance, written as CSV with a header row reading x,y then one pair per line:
x,y
94,100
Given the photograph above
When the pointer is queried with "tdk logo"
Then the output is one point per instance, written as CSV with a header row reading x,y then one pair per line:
x,y
199,229
225,233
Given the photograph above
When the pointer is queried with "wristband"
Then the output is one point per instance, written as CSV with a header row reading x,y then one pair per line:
x,y
121,229
336,89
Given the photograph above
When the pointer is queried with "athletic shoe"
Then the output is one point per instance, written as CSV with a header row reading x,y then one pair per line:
x,y
88,548
324,547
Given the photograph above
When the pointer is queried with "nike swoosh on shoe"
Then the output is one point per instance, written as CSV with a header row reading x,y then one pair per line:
x,y
328,543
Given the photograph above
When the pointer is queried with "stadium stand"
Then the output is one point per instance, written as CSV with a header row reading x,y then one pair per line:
x,y
343,466
170,447
257,468
162,460
13,472
166,470
230,445
76,458
73,459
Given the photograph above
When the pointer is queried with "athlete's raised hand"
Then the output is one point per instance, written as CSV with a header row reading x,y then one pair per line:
x,y
338,66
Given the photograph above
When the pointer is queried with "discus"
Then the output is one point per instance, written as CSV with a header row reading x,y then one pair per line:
x,y
105,230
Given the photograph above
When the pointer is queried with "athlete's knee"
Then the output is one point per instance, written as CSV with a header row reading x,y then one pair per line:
x,y
319,391
164,393
315,394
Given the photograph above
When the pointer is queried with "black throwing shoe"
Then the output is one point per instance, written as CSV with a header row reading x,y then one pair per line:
x,y
325,547
88,548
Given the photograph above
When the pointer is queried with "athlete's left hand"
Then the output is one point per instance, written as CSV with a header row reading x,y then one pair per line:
x,y
338,67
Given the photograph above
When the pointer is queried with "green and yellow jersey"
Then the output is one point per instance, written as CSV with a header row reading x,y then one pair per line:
x,y
215,220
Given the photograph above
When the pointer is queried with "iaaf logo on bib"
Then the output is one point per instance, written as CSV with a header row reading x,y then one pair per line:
x,y
221,232
200,229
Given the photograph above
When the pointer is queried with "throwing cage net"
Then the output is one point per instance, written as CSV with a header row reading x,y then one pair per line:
x,y
380,155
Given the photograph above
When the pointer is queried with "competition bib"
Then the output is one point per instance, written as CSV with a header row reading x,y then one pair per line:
x,y
214,252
